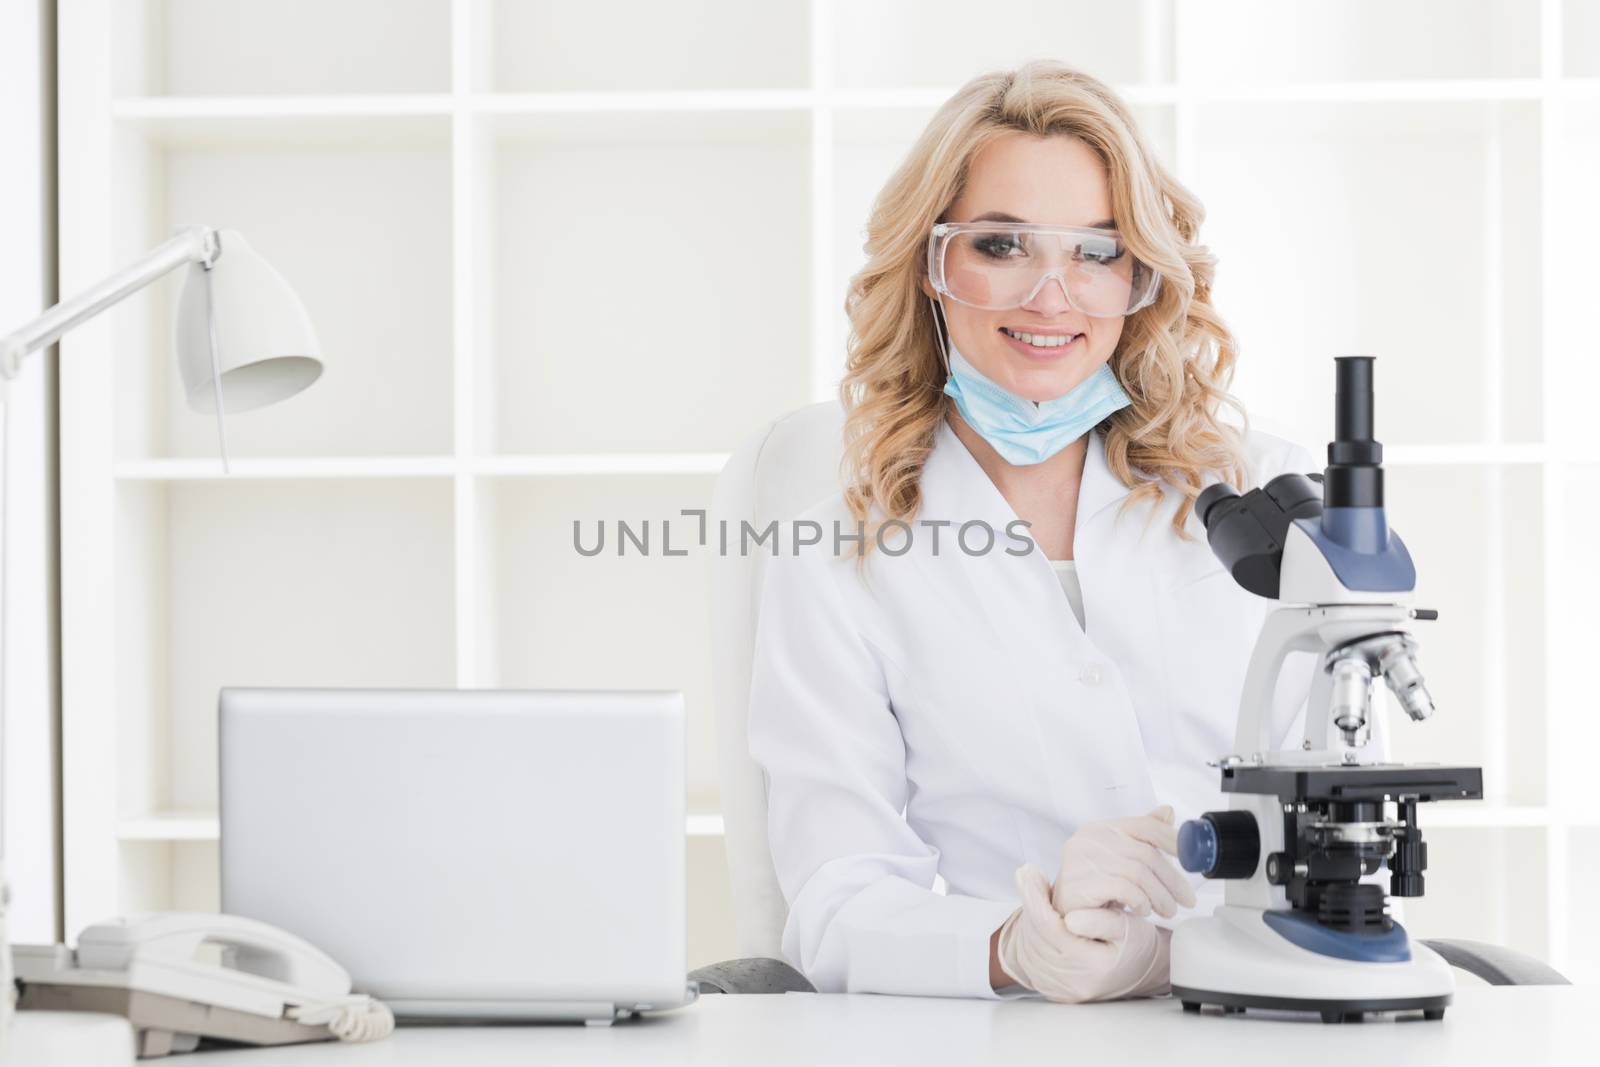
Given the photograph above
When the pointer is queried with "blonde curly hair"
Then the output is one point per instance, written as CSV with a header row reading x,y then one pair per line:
x,y
1175,357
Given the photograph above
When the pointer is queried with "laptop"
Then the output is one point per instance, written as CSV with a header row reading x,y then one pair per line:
x,y
466,854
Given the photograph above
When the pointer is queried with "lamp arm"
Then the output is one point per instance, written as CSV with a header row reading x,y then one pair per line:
x,y
191,244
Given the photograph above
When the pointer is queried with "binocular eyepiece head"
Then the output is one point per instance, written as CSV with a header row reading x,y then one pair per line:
x,y
1247,533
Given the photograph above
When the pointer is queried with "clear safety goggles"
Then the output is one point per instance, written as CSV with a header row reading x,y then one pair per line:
x,y
995,265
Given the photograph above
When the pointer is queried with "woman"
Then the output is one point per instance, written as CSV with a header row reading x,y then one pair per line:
x,y
1033,341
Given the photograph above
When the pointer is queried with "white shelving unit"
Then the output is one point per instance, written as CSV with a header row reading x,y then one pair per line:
x,y
562,263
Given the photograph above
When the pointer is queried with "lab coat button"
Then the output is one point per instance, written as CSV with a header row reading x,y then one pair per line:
x,y
1090,674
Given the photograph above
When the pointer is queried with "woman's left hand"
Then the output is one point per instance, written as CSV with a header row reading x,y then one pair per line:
x,y
1090,954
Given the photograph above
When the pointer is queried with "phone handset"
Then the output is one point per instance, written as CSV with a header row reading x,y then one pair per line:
x,y
263,970
250,946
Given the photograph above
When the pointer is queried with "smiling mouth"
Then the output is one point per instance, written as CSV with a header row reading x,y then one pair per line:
x,y
1043,341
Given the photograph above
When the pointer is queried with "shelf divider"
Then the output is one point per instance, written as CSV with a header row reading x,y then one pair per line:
x,y
174,825
1552,494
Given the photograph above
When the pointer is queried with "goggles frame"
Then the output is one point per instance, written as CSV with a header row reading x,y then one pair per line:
x,y
939,243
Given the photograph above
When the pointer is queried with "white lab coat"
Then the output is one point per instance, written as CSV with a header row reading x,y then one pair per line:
x,y
952,718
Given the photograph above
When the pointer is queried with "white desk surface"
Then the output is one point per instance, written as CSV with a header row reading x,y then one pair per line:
x,y
1521,1026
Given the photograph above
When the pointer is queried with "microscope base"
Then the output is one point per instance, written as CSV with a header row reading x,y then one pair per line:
x,y
1234,959
1332,1011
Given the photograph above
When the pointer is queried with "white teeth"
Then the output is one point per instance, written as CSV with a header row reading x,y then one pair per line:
x,y
1041,340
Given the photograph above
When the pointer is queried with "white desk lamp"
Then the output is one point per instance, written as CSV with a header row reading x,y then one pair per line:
x,y
238,323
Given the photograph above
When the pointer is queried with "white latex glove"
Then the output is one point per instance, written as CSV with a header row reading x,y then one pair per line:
x,y
1118,863
1076,942
1090,954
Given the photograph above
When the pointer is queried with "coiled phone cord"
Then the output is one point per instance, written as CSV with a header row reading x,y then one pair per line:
x,y
354,1018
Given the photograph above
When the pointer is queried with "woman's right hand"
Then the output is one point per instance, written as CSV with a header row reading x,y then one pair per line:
x,y
1119,863
1076,942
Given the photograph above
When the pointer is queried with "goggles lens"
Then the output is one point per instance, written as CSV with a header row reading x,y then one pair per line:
x,y
1006,265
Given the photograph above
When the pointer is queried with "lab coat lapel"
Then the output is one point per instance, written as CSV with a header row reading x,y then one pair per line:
x,y
1089,736
1099,487
955,488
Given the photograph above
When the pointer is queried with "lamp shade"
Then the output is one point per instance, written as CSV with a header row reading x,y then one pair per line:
x,y
266,348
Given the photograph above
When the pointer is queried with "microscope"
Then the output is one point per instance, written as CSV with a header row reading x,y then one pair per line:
x,y
1299,928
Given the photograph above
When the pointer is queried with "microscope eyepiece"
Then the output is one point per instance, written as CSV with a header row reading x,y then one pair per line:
x,y
1352,399
1211,496
1354,478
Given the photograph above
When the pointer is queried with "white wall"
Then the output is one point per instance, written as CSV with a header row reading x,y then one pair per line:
x,y
26,286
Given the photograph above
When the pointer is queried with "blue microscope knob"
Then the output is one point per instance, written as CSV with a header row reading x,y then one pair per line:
x,y
1197,845
1220,844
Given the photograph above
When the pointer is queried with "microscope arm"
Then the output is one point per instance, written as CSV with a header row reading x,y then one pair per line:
x,y
1261,682
1309,628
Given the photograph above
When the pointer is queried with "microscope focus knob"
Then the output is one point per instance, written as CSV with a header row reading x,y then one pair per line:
x,y
1220,844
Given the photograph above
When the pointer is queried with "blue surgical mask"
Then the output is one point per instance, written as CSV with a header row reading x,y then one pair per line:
x,y
1023,431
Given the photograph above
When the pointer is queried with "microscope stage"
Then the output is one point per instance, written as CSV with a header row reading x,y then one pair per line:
x,y
1424,781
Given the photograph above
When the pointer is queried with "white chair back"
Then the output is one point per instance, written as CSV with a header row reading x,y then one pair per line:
x,y
790,464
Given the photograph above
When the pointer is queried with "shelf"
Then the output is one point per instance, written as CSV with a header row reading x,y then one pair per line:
x,y
928,99
1409,177
867,146
308,467
176,115
664,328
267,583
681,102
1580,34
202,47
202,825
637,463
1568,664
175,826
539,45
1477,575
283,124
555,618
1578,929
899,43
1573,158
169,826
152,111
1472,90
142,110
355,467
1358,40
381,307
599,463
